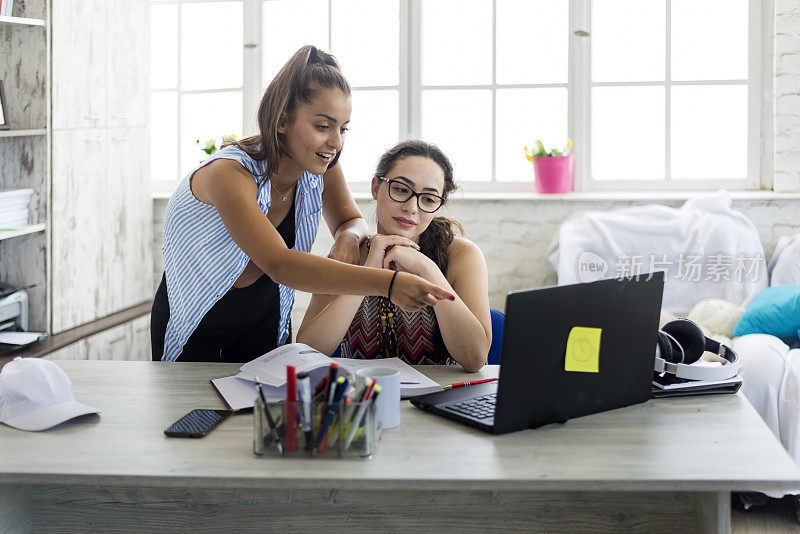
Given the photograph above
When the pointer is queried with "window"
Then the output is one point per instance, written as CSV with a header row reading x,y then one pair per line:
x,y
673,97
656,94
364,35
197,82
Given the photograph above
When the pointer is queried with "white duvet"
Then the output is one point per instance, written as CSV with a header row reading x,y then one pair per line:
x,y
707,249
770,373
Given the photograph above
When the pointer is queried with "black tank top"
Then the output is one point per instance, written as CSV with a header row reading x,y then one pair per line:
x,y
286,228
241,325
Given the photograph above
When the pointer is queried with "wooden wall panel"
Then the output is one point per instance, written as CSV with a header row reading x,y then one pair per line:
x,y
130,231
23,70
128,63
102,207
79,63
81,217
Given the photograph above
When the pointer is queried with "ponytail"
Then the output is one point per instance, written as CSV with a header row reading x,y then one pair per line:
x,y
307,71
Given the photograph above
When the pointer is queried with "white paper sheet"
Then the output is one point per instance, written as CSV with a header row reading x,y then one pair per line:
x,y
271,367
239,390
240,394
412,382
21,338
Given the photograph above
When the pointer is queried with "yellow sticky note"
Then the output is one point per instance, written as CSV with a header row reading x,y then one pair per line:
x,y
583,350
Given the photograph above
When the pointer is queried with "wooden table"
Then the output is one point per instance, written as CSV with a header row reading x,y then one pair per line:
x,y
664,466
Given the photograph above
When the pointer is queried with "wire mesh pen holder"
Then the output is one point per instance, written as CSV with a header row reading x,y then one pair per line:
x,y
352,432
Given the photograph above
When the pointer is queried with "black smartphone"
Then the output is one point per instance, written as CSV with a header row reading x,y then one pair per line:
x,y
196,423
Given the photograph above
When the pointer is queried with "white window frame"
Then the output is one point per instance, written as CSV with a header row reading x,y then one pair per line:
x,y
166,184
579,91
580,108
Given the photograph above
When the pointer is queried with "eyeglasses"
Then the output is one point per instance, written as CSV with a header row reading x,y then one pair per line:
x,y
400,192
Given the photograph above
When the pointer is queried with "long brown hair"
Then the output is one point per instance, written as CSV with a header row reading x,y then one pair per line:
x,y
307,71
439,234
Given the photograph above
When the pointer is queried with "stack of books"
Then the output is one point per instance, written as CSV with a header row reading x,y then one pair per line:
x,y
14,208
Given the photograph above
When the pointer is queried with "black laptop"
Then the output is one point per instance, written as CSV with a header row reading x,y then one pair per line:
x,y
567,351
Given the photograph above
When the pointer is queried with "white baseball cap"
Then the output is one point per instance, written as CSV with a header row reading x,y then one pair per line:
x,y
36,394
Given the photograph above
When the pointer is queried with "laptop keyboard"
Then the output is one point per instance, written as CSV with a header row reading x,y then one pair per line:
x,y
476,408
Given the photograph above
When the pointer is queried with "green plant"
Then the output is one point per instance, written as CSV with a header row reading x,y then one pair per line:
x,y
542,152
211,145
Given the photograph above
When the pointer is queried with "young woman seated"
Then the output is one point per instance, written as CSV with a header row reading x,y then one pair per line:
x,y
412,181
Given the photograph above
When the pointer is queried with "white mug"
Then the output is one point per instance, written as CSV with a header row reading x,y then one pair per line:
x,y
387,407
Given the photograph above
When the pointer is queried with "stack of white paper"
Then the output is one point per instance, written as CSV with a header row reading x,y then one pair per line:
x,y
14,208
16,340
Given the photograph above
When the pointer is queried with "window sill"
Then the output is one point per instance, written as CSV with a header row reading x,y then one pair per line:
x,y
588,196
596,196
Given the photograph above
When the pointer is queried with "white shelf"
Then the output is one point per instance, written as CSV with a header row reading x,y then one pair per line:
x,y
22,21
25,230
22,133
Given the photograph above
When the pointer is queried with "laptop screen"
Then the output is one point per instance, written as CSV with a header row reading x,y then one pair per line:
x,y
577,349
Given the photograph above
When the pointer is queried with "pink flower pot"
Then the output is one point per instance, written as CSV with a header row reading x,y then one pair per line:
x,y
554,175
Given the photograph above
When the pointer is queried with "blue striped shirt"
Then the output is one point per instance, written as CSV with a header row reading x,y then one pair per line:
x,y
201,260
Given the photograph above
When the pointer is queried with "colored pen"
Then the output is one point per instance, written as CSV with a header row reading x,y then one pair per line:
x,y
341,386
365,392
347,416
332,383
372,400
304,391
327,397
470,383
272,435
358,396
362,409
291,409
321,385
333,433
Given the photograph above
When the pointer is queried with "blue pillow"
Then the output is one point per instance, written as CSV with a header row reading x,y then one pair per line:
x,y
775,311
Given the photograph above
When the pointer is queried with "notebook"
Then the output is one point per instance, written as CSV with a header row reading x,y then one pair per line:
x,y
567,351
238,391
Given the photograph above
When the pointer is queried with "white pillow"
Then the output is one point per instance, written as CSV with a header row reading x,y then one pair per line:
x,y
784,267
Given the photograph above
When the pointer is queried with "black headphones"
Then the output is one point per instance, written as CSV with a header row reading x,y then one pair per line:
x,y
681,343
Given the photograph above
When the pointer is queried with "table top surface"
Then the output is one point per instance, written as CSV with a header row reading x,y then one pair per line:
x,y
702,443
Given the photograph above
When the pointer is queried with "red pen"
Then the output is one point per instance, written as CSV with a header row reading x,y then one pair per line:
x,y
291,409
470,383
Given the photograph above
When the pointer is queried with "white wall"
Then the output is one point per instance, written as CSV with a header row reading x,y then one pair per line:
x,y
514,234
786,95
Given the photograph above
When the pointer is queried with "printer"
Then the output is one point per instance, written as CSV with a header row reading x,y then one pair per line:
x,y
13,310
14,333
